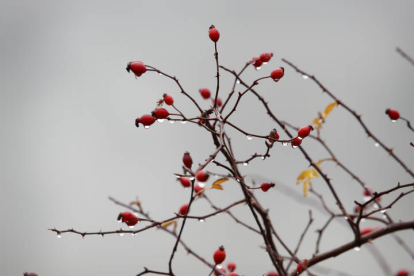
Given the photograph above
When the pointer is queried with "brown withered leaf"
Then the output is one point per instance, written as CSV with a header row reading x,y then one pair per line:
x,y
168,223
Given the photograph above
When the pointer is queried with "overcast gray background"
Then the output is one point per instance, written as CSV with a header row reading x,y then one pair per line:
x,y
69,141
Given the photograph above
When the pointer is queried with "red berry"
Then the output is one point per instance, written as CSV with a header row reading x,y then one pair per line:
x,y
266,186
265,57
137,67
368,192
30,274
296,142
129,218
168,99
273,134
302,265
232,274
357,208
277,74
403,272
160,113
219,255
185,182
231,266
219,102
205,93
222,270
214,34
146,120
304,131
202,176
393,114
183,210
201,121
197,188
272,273
187,160
366,230
257,62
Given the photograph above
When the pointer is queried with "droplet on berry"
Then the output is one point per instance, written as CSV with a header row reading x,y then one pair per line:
x,y
296,142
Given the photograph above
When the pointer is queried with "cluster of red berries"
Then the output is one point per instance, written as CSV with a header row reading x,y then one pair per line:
x,y
262,59
129,219
303,132
206,94
159,113
393,114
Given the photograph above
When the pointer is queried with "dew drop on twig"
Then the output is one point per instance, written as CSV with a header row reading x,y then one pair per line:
x,y
160,120
172,122
305,77
357,248
284,144
245,164
121,234
59,235
249,137
131,226
238,82
376,144
201,220
183,122
146,127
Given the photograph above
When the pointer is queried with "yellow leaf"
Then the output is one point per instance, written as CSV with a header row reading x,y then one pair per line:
x,y
306,186
303,175
314,174
217,184
329,108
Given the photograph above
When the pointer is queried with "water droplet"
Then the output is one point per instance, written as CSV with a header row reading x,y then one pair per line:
x,y
258,68
393,121
294,147
201,220
363,220
146,127
133,234
238,180
383,211
201,184
172,122
238,82
376,144
191,178
245,164
263,158
139,221
160,73
160,120
183,122
300,137
131,226
345,218
249,137
216,176
219,266
102,235
284,144
119,220
264,62
366,198
121,234
305,77
59,235
357,248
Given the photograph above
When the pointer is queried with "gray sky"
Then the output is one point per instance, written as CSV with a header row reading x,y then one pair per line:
x,y
69,139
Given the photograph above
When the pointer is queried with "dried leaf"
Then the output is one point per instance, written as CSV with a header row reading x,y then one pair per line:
x,y
168,223
303,175
217,184
321,117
